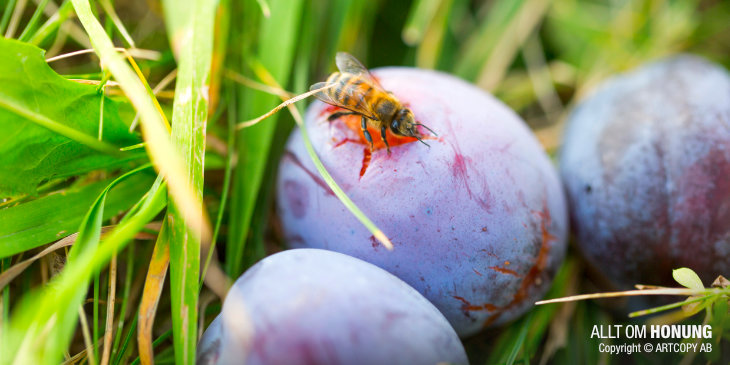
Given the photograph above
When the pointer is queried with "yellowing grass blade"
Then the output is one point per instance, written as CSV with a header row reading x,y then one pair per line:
x,y
151,295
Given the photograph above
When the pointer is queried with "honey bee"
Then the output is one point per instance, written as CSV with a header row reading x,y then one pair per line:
x,y
355,89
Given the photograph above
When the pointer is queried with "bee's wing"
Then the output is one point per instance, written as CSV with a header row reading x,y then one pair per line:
x,y
360,107
347,63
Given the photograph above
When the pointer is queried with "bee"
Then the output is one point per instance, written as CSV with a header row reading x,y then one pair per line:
x,y
355,89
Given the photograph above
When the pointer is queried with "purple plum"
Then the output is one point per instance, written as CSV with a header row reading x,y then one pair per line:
x,y
646,165
310,306
478,220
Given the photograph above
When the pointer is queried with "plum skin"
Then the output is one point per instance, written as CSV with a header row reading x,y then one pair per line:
x,y
478,220
645,162
310,306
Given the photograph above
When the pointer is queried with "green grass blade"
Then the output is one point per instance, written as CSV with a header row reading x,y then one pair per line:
x,y
349,204
421,14
192,24
112,15
348,21
127,340
520,340
64,308
159,146
30,27
53,23
265,9
88,238
6,15
125,299
41,329
226,184
430,48
90,230
17,14
346,201
483,40
507,48
276,45
707,299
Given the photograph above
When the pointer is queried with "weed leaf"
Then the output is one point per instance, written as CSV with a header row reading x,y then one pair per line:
x,y
44,220
688,278
50,124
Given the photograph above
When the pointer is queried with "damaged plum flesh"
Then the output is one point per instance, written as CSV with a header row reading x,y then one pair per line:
x,y
478,220
310,306
646,165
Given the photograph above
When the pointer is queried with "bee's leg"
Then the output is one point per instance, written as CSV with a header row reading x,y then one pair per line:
x,y
385,140
336,115
364,126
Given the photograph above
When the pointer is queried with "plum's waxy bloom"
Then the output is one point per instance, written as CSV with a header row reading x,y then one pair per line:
x,y
308,306
646,164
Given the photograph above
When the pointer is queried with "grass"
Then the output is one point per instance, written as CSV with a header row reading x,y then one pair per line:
x,y
275,41
191,25
538,56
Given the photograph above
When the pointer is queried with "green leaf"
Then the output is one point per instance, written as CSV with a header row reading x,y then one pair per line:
x,y
50,124
688,278
35,223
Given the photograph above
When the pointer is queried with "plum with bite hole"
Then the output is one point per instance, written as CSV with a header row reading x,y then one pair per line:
x,y
478,220
310,306
646,165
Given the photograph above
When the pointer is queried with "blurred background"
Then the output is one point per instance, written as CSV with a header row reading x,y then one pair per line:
x,y
540,57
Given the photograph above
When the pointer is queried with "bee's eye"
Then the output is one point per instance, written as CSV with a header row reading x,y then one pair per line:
x,y
394,124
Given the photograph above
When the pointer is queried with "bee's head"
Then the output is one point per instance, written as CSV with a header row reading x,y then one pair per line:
x,y
404,124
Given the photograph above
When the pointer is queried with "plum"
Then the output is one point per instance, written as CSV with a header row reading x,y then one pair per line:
x,y
646,165
209,346
310,306
478,220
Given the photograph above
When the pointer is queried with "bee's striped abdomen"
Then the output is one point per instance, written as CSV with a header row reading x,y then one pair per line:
x,y
335,92
348,93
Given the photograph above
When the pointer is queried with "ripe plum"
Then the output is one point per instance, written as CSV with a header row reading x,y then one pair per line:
x,y
310,306
478,220
646,165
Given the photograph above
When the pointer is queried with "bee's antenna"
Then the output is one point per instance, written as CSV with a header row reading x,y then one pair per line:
x,y
429,129
420,140
282,105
